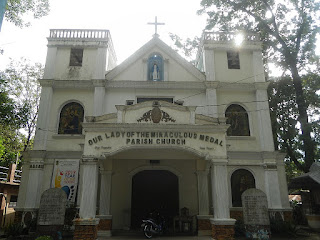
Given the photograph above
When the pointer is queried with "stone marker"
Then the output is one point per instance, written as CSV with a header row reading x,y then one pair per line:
x,y
52,211
255,214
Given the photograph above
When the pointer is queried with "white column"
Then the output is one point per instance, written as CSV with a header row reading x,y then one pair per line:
x,y
88,198
41,136
264,121
34,184
220,193
211,105
203,193
209,67
272,187
258,69
105,192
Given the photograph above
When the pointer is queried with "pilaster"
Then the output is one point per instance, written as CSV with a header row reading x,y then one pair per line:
x,y
203,196
258,69
212,105
88,198
34,184
105,192
209,64
99,95
264,121
272,186
41,136
100,65
50,67
222,224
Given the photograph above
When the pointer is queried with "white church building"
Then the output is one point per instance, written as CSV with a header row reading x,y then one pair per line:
x,y
153,133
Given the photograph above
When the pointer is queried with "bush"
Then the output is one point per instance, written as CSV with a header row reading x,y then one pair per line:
x,y
239,229
282,227
44,238
13,230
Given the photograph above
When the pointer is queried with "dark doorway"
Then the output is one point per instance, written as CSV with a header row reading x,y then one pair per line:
x,y
154,190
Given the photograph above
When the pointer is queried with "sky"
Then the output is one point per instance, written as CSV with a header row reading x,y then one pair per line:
x,y
125,19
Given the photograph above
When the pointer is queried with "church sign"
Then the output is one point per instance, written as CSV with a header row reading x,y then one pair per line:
x,y
113,140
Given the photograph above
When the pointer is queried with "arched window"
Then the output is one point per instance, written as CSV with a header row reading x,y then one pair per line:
x,y
71,118
241,180
237,117
155,68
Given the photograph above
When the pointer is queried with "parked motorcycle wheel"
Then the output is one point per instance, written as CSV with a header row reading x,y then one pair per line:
x,y
148,231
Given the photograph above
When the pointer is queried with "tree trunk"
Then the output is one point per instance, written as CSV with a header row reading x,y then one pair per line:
x,y
306,129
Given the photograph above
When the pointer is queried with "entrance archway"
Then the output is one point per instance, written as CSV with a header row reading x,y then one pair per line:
x,y
154,190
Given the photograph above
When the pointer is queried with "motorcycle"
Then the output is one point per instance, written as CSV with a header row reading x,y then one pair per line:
x,y
152,226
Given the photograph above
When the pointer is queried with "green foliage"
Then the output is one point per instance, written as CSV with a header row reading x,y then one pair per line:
x,y
16,10
13,230
44,238
288,30
19,100
284,115
188,47
22,78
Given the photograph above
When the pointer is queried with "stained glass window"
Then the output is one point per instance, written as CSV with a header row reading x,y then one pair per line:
x,y
155,68
71,118
241,180
237,117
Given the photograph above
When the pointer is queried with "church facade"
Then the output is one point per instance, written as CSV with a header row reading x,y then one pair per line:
x,y
153,133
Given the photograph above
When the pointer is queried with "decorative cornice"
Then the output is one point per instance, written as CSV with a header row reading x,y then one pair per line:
x,y
99,82
78,84
209,128
200,85
155,85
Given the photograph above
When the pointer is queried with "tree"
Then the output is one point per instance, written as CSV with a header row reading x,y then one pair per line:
x,y
187,47
22,78
288,29
284,116
16,10
11,119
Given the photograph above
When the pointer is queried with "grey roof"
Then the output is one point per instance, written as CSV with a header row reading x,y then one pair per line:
x,y
308,180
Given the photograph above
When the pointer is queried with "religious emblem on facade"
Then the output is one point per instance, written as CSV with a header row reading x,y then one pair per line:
x,y
156,115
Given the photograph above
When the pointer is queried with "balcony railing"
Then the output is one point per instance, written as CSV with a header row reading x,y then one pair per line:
x,y
7,174
79,34
229,36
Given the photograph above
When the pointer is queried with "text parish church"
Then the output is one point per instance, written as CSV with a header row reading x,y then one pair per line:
x,y
153,133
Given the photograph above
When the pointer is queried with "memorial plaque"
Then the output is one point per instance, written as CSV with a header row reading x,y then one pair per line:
x,y
255,214
52,207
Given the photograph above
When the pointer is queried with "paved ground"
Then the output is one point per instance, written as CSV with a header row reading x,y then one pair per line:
x,y
312,236
300,235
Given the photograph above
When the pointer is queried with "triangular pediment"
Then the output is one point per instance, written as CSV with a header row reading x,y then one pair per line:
x,y
133,68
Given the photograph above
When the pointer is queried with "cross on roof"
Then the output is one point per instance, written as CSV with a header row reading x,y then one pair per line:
x,y
156,26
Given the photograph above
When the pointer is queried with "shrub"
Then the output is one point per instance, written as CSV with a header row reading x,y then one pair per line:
x,y
44,238
13,230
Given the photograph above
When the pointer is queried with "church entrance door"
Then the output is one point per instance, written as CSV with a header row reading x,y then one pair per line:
x,y
154,190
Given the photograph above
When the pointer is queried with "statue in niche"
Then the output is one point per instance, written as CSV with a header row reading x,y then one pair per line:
x,y
155,72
